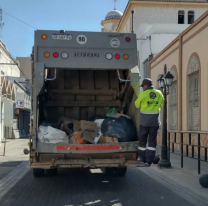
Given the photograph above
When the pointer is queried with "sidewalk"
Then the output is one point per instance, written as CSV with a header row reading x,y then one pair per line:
x,y
13,166
183,181
13,156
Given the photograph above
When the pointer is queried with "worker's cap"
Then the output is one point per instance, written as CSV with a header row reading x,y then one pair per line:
x,y
146,81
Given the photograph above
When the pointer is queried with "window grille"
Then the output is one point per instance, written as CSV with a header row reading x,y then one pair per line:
x,y
180,17
190,17
173,112
193,94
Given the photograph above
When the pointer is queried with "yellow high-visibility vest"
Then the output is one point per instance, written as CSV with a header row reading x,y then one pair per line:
x,y
150,101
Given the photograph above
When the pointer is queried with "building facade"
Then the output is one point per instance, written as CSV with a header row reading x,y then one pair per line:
x,y
9,69
26,66
157,23
111,22
186,58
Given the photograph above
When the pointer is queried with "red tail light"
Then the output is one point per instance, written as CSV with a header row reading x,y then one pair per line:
x,y
117,56
127,39
55,54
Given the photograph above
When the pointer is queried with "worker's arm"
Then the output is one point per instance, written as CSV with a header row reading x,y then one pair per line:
x,y
138,101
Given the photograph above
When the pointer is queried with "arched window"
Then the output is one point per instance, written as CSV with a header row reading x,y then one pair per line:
x,y
193,93
173,116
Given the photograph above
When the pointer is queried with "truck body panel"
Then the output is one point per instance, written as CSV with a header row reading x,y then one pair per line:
x,y
79,86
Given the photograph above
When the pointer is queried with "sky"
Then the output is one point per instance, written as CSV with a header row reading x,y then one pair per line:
x,y
75,15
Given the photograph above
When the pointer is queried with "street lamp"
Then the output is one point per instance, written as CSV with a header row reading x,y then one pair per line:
x,y
164,82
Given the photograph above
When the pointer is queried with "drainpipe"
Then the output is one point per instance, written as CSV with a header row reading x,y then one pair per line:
x,y
180,85
132,14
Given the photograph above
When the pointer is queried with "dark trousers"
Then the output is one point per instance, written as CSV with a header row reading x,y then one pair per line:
x,y
147,151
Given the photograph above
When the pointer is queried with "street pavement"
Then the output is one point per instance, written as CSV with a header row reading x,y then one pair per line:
x,y
79,187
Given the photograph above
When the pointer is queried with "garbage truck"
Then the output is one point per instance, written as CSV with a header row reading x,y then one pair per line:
x,y
78,75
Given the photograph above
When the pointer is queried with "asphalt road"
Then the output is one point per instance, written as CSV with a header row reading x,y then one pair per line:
x,y
76,187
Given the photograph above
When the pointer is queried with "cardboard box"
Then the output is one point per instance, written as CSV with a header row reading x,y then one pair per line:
x,y
65,122
104,139
121,115
77,138
89,130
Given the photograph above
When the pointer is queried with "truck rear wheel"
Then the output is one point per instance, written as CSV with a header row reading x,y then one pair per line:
x,y
109,171
38,172
120,171
51,172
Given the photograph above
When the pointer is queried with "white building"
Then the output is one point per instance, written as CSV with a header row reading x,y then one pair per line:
x,y
111,21
26,65
156,24
9,67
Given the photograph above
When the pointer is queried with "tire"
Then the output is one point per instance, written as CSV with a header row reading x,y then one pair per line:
x,y
38,172
51,172
120,171
109,171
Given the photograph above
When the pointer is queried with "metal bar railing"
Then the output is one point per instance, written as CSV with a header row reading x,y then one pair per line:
x,y
187,146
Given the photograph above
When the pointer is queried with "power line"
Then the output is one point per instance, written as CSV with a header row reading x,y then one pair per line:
x,y
20,26
1,23
20,20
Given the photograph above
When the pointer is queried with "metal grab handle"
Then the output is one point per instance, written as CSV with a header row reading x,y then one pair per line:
x,y
51,79
122,80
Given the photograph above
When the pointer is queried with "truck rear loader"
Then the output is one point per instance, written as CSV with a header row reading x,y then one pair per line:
x,y
78,75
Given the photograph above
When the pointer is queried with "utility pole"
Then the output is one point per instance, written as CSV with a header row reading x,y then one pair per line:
x,y
1,23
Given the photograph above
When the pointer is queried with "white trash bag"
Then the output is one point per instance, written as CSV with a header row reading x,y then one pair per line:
x,y
51,135
99,123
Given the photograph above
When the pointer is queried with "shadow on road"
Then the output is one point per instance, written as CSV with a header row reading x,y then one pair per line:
x,y
80,187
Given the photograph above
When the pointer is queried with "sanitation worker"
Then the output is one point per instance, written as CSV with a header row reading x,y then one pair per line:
x,y
149,102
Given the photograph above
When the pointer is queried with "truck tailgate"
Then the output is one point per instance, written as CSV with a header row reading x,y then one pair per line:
x,y
87,148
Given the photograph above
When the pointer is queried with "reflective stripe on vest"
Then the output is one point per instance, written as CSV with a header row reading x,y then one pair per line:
x,y
151,148
149,112
142,148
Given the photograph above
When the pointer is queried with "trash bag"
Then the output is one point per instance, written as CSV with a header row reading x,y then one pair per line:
x,y
111,113
51,135
99,123
121,128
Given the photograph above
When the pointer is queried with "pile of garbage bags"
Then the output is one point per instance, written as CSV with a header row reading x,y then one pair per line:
x,y
121,128
113,127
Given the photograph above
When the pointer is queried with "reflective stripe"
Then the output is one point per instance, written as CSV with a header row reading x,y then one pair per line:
x,y
142,148
149,112
151,148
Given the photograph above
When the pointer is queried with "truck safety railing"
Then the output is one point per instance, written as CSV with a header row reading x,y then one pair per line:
x,y
186,142
53,78
122,80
